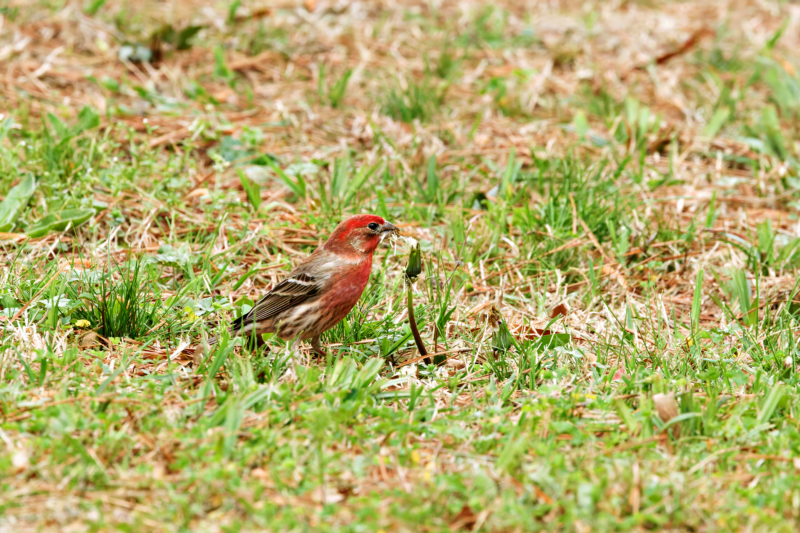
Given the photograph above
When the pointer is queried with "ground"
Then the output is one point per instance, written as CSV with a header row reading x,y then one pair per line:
x,y
605,195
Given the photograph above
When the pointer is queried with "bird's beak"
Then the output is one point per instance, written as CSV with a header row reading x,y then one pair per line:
x,y
390,229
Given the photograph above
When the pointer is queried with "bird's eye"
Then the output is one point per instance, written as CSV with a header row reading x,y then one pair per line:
x,y
373,226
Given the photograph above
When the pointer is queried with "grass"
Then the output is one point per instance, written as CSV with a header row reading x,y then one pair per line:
x,y
115,303
609,267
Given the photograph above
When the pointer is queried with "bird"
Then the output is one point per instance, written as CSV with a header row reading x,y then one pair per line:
x,y
322,289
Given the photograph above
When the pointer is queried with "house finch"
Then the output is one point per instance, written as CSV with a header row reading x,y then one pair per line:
x,y
320,292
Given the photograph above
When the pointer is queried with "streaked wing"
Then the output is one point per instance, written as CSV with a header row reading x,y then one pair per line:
x,y
292,291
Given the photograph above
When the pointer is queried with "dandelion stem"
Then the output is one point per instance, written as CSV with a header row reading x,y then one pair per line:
x,y
412,322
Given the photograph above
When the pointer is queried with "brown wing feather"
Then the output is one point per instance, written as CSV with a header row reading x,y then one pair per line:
x,y
294,290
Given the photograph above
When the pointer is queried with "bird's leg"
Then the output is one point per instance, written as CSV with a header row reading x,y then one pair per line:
x,y
291,361
255,341
316,347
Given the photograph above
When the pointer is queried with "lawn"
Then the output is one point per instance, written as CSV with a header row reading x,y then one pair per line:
x,y
606,199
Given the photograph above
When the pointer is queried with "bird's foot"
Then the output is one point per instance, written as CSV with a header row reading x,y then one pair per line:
x,y
321,353
317,348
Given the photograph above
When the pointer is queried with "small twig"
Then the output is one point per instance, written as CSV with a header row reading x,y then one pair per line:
x,y
687,45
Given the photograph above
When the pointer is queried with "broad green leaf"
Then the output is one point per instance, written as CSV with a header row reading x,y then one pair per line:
x,y
59,127
42,226
5,126
15,201
87,119
76,216
59,221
